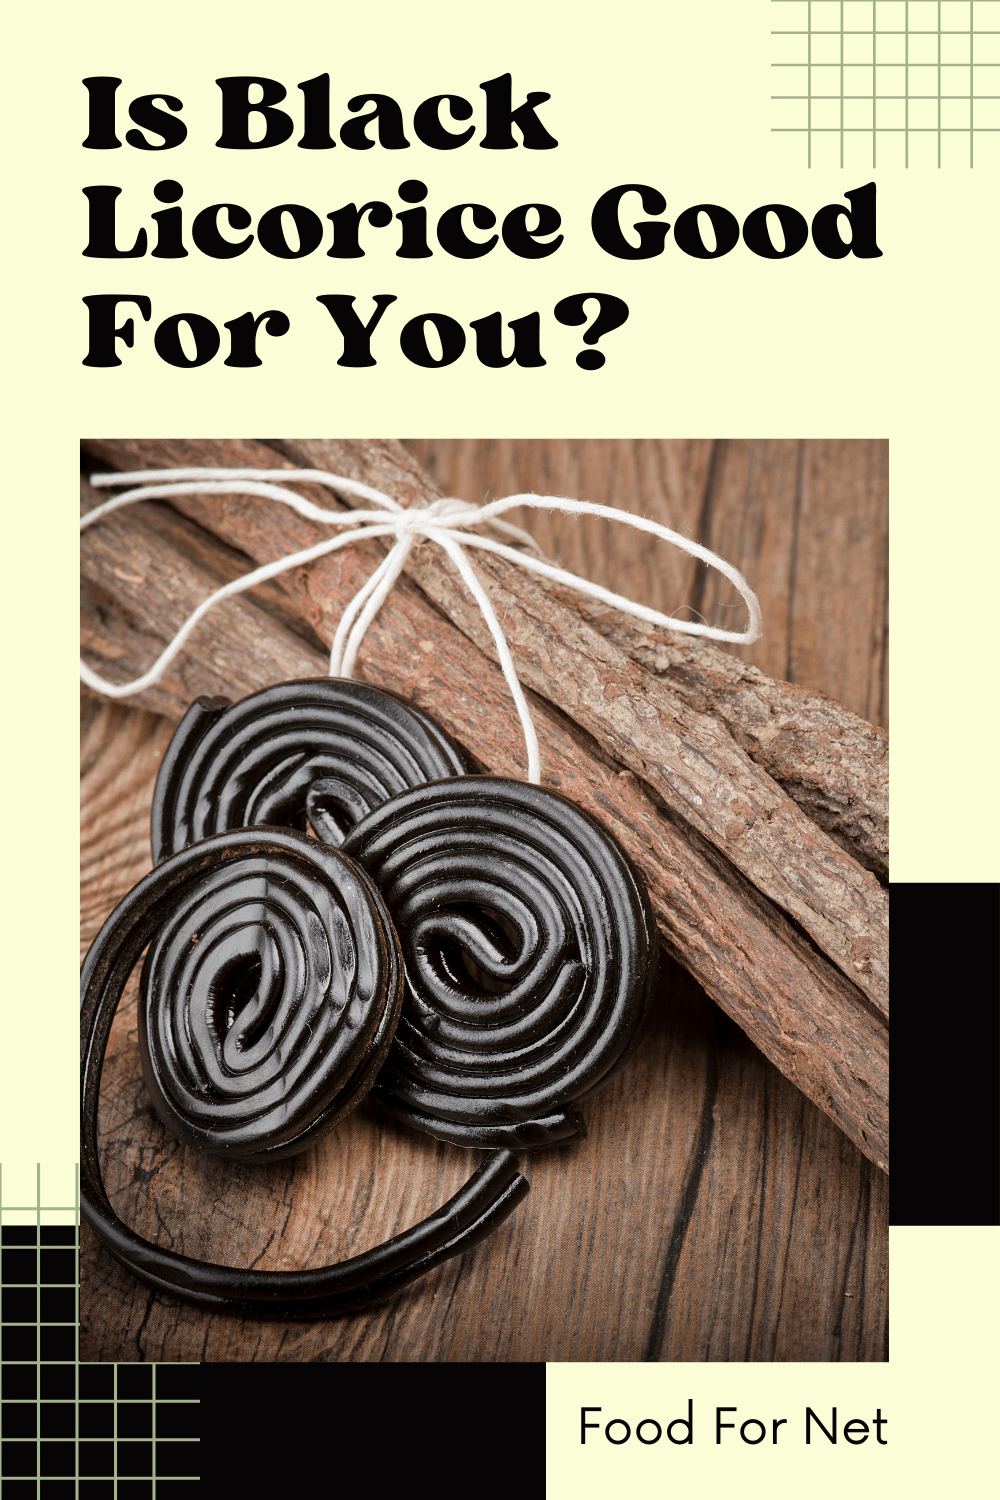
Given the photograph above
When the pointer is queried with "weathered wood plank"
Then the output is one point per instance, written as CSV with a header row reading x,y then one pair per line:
x,y
745,1226
664,480
806,521
843,540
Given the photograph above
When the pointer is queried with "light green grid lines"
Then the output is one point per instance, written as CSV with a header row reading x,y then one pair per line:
x,y
882,83
82,1432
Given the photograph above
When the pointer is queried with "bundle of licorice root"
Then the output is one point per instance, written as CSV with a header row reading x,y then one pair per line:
x,y
755,811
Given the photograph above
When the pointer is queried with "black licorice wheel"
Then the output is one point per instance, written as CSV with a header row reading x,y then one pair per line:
x,y
530,954
323,751
270,990
270,994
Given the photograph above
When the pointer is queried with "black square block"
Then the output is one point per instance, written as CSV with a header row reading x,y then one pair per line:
x,y
97,1419
97,1459
58,1382
58,1419
135,1489
57,1343
58,1234
57,1304
17,1234
175,1459
18,1461
97,1382
19,1419
18,1343
178,1382
18,1304
18,1383
18,1265
135,1419
57,1458
135,1382
135,1459
57,1267
178,1419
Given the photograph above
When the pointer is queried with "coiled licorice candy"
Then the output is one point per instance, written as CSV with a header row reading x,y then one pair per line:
x,y
269,994
269,997
319,751
530,958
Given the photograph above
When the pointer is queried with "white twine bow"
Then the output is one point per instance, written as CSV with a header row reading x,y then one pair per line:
x,y
445,522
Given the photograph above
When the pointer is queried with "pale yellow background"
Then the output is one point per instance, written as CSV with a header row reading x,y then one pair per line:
x,y
938,1394
676,95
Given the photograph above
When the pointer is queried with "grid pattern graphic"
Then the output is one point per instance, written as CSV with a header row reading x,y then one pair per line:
x,y
888,82
97,1432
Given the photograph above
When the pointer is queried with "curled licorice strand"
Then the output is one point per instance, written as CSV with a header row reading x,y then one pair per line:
x,y
320,751
271,860
470,1216
530,955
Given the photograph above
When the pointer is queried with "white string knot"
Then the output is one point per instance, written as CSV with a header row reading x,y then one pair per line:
x,y
445,522
415,517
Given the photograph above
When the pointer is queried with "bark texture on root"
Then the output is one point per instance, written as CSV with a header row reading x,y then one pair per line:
x,y
832,762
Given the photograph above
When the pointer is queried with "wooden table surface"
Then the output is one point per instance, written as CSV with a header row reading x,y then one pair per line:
x,y
712,1213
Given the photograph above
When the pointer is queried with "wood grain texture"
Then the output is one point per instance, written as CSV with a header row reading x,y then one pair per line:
x,y
139,582
806,521
667,481
722,849
712,1213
